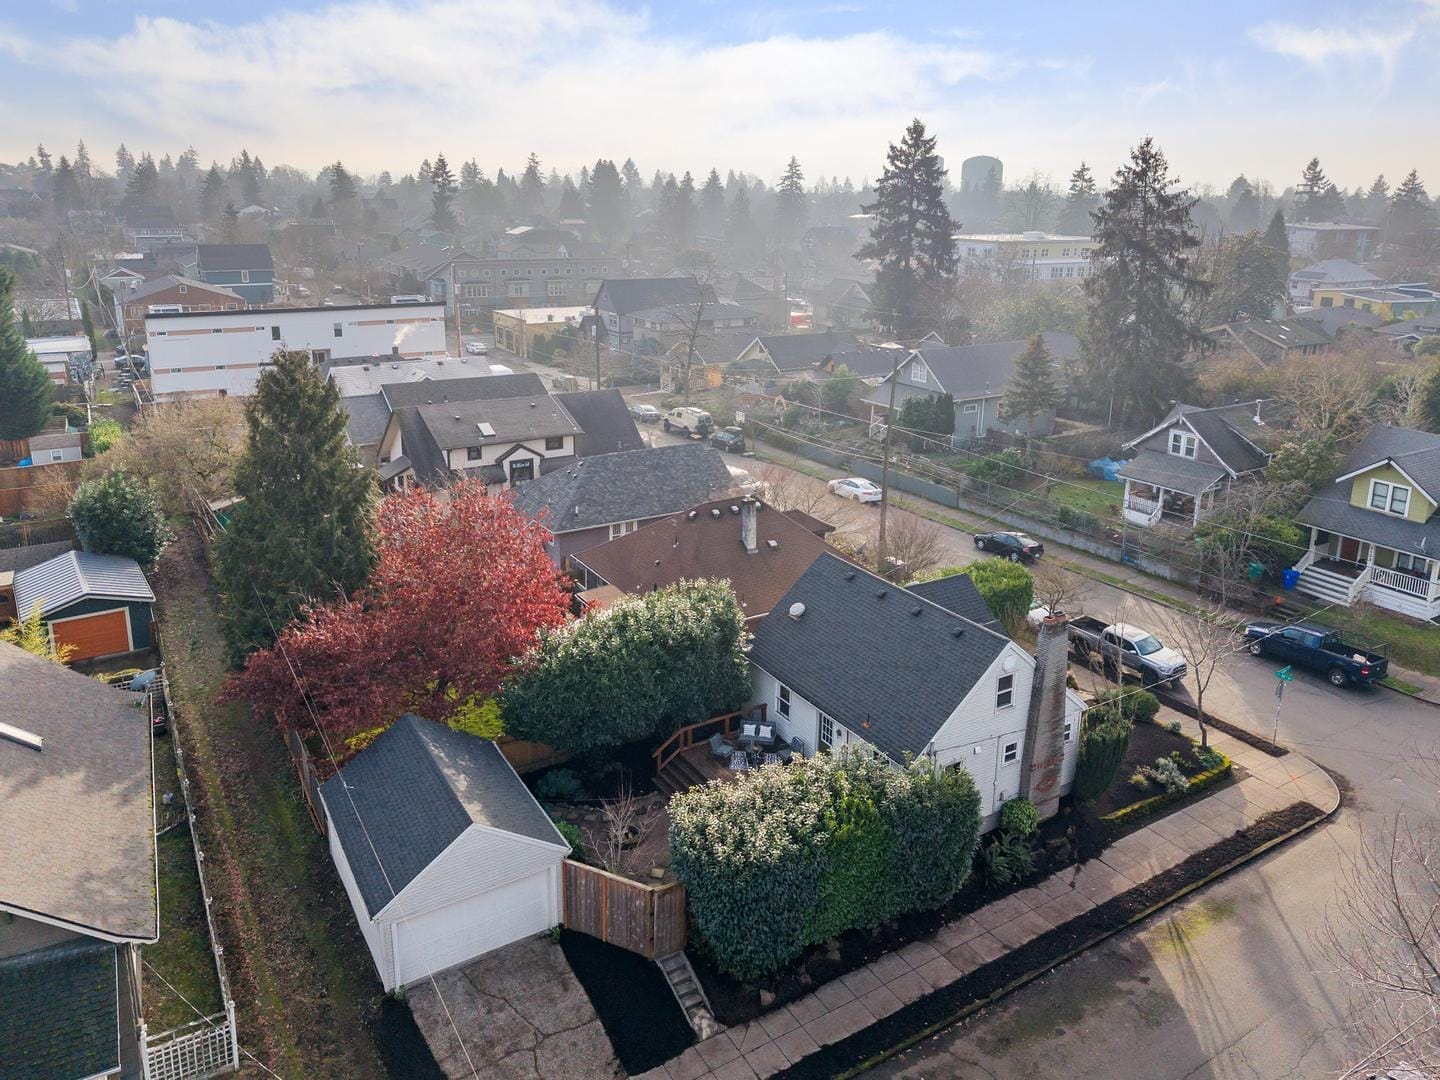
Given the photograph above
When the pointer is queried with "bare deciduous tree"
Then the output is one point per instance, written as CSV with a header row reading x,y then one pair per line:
x,y
913,545
1383,932
624,825
1057,589
1206,636
1332,394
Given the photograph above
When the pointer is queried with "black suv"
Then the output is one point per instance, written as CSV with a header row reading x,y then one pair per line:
x,y
731,439
1017,547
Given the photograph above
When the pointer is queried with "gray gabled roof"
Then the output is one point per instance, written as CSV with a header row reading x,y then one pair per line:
x,y
80,575
1417,453
1172,472
632,485
958,593
169,281
225,257
866,651
796,352
466,388
22,558
605,422
1225,429
407,796
457,423
59,1011
1331,512
366,418
77,824
973,371
626,295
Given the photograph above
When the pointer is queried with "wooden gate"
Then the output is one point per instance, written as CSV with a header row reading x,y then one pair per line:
x,y
646,919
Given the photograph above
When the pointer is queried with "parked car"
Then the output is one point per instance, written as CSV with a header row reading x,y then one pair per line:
x,y
1125,645
476,348
1017,547
688,418
646,414
730,439
857,488
1318,648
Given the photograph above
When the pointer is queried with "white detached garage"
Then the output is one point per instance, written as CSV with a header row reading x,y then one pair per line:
x,y
444,852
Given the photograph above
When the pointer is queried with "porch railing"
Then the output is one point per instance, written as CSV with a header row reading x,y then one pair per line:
x,y
1302,563
1412,584
687,736
1142,511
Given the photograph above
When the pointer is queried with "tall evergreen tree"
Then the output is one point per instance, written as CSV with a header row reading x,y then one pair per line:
x,y
791,209
342,185
1377,201
144,185
712,205
304,530
442,198
1138,330
685,212
1080,200
1276,236
1033,389
1244,205
25,386
740,226
1316,198
911,231
572,206
1409,211
212,193
65,188
532,188
84,170
606,198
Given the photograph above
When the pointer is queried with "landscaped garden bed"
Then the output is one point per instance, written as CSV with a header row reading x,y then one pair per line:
x,y
951,1003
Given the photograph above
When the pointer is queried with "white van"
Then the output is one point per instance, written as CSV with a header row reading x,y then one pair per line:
x,y
688,418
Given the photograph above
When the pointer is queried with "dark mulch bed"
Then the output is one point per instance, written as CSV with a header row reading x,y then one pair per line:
x,y
1148,741
635,1004
1249,738
944,1006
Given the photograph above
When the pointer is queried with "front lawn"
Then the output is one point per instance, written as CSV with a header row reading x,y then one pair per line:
x,y
1090,496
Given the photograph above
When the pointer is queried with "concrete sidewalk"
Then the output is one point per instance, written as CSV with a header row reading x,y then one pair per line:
x,y
853,1002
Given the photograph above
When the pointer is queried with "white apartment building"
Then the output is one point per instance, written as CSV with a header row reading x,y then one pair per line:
x,y
217,353
1038,256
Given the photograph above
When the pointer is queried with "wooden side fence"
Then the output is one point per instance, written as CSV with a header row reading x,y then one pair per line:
x,y
309,782
646,919
526,756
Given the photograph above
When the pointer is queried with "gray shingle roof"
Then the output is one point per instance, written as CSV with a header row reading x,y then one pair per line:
x,y
77,839
627,486
456,424
416,788
627,295
158,216
604,419
861,654
1332,512
376,373
1331,320
22,558
420,448
1416,452
1171,471
223,257
79,575
796,352
170,281
958,593
1227,430
970,371
366,417
465,388
59,1012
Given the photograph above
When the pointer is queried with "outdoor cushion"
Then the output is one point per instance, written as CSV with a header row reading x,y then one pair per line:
x,y
750,731
719,747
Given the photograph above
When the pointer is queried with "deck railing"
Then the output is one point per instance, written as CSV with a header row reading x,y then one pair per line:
x,y
1400,581
686,737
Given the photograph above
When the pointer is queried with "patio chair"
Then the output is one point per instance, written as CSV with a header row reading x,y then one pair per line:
x,y
739,762
756,733
719,748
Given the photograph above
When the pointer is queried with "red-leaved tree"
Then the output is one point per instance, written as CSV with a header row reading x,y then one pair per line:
x,y
462,588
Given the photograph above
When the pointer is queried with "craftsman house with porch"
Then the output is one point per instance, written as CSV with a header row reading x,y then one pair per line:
x,y
1374,533
1185,462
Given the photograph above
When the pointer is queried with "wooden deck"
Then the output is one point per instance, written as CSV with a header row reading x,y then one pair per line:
x,y
692,767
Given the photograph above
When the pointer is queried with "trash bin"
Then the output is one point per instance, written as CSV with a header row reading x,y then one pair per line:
x,y
1256,571
1289,578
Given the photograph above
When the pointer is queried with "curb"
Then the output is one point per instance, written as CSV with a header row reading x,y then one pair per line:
x,y
1030,976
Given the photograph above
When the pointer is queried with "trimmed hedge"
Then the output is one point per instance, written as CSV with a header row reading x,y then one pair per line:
x,y
1103,742
791,856
1145,807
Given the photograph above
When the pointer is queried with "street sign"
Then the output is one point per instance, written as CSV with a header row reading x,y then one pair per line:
x,y
1285,674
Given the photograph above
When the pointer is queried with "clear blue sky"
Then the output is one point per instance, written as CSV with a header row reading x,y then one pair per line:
x,y
1225,87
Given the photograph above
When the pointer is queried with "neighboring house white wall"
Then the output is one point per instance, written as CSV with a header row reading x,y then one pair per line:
x,y
974,736
207,353
491,454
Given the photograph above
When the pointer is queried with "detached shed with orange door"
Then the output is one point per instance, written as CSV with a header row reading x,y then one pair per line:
x,y
100,605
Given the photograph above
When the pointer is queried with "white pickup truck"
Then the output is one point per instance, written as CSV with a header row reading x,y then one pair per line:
x,y
1123,645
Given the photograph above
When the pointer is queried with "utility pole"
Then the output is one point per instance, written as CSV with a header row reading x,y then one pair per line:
x,y
885,465
597,341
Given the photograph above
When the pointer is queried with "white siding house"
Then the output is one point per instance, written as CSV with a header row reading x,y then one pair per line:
x,y
210,353
442,850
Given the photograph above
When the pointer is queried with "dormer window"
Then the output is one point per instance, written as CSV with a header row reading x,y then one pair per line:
x,y
1389,498
1183,444
918,374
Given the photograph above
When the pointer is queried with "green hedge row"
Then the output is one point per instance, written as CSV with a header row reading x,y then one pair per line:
x,y
1145,807
789,857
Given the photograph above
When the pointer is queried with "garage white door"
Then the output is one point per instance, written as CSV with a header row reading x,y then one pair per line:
x,y
462,931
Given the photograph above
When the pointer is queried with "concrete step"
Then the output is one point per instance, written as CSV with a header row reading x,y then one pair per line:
x,y
686,988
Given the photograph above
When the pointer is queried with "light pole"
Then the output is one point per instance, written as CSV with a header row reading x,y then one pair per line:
x,y
885,463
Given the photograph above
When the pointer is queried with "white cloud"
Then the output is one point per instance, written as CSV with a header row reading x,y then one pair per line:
x,y
381,84
1319,46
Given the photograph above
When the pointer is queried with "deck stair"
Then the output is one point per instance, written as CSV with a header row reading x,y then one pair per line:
x,y
679,774
1329,586
686,987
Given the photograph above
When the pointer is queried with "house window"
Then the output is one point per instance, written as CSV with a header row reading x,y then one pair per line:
x,y
623,528
245,276
523,470
519,288
782,701
472,453
555,442
827,731
57,455
1389,498
320,356
274,333
555,288
1069,730
339,330
1182,443
1412,563
972,407
1005,692
184,289
918,374
1011,753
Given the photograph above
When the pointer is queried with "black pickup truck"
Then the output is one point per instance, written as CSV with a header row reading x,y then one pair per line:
x,y
1319,649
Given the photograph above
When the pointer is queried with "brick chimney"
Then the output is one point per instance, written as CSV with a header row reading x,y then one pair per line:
x,y
1045,724
749,527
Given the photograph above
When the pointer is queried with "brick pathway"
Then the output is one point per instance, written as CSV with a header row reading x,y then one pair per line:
x,y
855,1001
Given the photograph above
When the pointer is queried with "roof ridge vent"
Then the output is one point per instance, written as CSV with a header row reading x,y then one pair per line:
x,y
879,594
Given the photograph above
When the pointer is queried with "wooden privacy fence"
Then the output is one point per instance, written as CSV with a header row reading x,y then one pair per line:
x,y
646,919
309,782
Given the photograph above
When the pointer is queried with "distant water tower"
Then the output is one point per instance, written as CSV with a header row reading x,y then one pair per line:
x,y
975,171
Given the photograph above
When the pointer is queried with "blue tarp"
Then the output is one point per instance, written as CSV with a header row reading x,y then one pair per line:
x,y
1104,468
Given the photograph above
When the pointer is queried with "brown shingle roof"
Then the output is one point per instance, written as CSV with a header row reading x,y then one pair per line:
x,y
703,544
